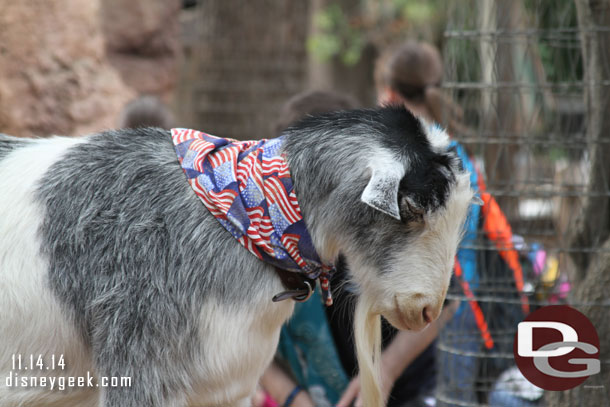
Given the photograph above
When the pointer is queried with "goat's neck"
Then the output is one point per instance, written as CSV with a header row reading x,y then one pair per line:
x,y
328,178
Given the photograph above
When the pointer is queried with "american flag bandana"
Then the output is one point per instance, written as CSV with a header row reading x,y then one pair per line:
x,y
246,185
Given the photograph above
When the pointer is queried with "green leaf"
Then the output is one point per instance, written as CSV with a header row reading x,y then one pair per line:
x,y
418,11
324,21
323,46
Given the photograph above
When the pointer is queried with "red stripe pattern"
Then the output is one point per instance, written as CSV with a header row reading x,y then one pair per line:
x,y
247,186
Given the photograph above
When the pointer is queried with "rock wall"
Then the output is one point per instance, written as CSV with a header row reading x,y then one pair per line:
x,y
54,76
143,43
68,67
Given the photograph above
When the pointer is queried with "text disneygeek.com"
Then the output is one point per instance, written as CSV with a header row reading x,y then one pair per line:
x,y
24,369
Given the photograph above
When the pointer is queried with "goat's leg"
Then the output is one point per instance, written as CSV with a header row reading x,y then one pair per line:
x,y
134,343
156,383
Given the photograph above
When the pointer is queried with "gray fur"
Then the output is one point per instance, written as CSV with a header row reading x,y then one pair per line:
x,y
133,254
8,144
334,203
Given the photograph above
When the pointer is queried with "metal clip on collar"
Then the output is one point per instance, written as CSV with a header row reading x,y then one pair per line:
x,y
299,295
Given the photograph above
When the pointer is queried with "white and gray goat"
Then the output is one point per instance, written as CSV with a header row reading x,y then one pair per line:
x,y
109,262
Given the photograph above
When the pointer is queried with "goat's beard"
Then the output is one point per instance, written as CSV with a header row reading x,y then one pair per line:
x,y
367,333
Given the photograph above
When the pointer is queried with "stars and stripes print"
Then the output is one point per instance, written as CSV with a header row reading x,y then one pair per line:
x,y
246,185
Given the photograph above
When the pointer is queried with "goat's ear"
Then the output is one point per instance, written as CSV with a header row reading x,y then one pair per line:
x,y
381,192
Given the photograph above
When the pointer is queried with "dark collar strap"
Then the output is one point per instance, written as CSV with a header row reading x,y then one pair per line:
x,y
298,286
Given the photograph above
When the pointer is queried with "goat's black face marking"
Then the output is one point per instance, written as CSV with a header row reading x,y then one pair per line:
x,y
427,182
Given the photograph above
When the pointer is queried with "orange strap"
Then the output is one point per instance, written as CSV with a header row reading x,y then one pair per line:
x,y
499,231
474,305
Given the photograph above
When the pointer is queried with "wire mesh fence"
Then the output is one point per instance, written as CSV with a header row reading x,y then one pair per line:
x,y
251,58
523,71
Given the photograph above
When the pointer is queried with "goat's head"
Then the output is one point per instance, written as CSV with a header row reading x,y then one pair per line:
x,y
395,204
421,195
382,190
408,279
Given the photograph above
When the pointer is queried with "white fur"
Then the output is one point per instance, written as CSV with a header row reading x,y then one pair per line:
x,y
438,138
243,344
420,274
426,264
367,334
31,320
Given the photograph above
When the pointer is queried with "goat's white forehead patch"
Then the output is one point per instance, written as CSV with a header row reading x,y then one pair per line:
x,y
437,136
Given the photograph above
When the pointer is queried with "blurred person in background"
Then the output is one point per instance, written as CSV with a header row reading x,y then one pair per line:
x,y
411,74
146,111
312,103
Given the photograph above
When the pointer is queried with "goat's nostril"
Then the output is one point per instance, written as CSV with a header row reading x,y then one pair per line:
x,y
426,315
